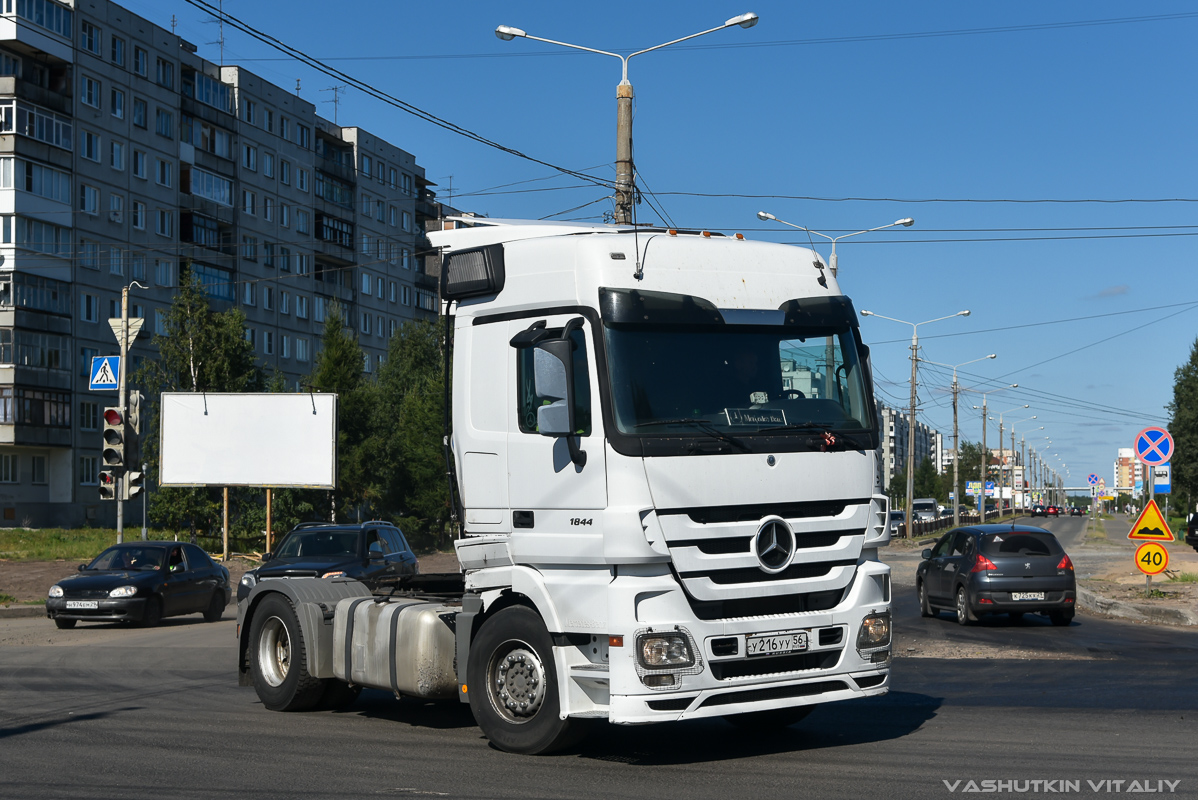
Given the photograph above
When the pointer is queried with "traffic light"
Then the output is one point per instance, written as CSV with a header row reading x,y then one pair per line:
x,y
134,484
133,428
114,439
107,485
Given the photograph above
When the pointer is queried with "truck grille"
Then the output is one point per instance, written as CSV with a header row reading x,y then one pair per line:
x,y
743,668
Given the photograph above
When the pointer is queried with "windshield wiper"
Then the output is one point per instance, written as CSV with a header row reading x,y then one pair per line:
x,y
701,424
817,426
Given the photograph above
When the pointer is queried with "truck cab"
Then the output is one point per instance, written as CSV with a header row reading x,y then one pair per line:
x,y
664,444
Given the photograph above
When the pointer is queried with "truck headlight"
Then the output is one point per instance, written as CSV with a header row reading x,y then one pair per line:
x,y
56,591
123,591
874,632
664,651
248,580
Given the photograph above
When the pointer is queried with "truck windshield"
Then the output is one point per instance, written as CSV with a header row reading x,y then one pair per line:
x,y
741,379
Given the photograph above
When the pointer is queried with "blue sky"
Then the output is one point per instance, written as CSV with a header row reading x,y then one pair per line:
x,y
827,101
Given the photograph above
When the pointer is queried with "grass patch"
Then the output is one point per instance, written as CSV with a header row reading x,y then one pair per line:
x,y
1152,594
1185,577
52,544
6,599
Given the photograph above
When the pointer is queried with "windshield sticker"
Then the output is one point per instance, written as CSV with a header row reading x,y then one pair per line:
x,y
755,416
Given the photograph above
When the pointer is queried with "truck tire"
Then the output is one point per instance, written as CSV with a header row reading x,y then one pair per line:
x,y
278,658
513,685
773,720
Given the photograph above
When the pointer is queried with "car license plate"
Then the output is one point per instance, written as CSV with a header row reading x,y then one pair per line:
x,y
82,604
1027,595
776,643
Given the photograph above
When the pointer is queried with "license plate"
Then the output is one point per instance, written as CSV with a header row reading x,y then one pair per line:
x,y
82,604
1027,595
776,643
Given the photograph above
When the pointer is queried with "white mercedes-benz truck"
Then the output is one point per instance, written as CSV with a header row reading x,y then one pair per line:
x,y
663,452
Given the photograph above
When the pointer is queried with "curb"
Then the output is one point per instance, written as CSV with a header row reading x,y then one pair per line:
x,y
15,612
1091,601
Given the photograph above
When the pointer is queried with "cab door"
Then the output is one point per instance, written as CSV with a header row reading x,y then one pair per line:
x,y
549,494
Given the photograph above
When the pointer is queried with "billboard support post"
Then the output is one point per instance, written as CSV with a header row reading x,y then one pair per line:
x,y
269,530
225,526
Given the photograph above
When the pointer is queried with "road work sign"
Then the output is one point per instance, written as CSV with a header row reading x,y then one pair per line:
x,y
1152,558
1151,525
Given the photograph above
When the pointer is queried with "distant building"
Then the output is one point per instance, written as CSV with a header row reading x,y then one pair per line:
x,y
894,428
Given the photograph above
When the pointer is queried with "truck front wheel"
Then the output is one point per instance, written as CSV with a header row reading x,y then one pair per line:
x,y
278,661
513,685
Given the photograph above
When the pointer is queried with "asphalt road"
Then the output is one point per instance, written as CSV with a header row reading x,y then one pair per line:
x,y
106,712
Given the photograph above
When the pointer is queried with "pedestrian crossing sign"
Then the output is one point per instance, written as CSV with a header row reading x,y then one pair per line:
x,y
105,370
1151,525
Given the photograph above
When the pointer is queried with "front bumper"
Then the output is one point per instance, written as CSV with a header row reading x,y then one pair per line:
x,y
831,669
108,609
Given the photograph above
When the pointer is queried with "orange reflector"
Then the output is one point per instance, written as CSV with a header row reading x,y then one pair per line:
x,y
707,234
740,236
672,232
615,641
463,688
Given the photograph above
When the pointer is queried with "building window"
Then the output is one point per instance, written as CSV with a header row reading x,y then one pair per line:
x,y
165,225
116,265
139,164
160,321
285,259
406,296
90,146
320,306
139,112
378,288
392,216
365,319
141,61
303,221
116,155
249,201
268,342
268,209
36,178
301,263
247,293
116,100
89,37
249,110
365,283
86,354
90,96
378,210
8,469
164,173
284,302
249,157
301,180
137,267
165,74
303,136
391,178
301,350
116,207
211,186
392,291
39,464
89,199
268,298
284,172
285,351
406,221
139,215
249,247
284,215
366,165
164,123
301,306
268,165
251,337
89,254
89,308
406,257
88,474
117,51
285,128
268,254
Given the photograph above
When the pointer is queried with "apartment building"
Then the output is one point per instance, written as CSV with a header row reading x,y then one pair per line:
x,y
894,427
126,157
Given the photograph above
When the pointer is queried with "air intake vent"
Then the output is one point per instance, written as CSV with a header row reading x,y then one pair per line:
x,y
472,273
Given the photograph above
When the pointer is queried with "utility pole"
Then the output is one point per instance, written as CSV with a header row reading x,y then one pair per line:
x,y
956,461
985,462
911,435
998,483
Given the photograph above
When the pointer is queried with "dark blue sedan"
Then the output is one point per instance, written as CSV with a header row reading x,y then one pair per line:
x,y
141,582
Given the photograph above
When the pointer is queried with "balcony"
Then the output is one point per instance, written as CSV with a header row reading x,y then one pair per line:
x,y
189,105
27,90
424,281
344,172
334,252
204,206
34,435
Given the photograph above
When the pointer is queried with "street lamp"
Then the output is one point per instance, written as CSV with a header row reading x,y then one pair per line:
x,y
985,450
1000,461
906,223
624,177
911,419
1022,483
956,473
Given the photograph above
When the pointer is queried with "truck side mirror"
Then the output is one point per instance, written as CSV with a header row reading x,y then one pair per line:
x,y
553,380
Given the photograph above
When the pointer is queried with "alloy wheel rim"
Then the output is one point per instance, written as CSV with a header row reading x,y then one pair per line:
x,y
516,682
274,651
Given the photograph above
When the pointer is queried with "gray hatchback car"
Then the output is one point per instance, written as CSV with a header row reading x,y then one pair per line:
x,y
997,569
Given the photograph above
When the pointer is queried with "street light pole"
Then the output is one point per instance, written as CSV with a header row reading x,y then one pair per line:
x,y
1022,482
911,419
624,166
998,488
985,449
833,266
956,500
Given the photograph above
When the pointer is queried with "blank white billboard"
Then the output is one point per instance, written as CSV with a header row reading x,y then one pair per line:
x,y
267,440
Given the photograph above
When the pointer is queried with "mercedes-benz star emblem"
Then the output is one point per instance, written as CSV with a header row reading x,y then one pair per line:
x,y
774,545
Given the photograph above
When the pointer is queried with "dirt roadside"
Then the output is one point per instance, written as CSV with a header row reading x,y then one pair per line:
x,y
28,581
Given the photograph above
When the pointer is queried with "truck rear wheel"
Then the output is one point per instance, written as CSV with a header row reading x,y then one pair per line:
x,y
278,659
512,680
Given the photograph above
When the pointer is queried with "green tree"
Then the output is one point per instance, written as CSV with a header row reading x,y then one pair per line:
x,y
898,490
927,481
1183,426
199,350
338,368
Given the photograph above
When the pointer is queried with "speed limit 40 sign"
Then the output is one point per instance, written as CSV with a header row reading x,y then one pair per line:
x,y
1152,558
